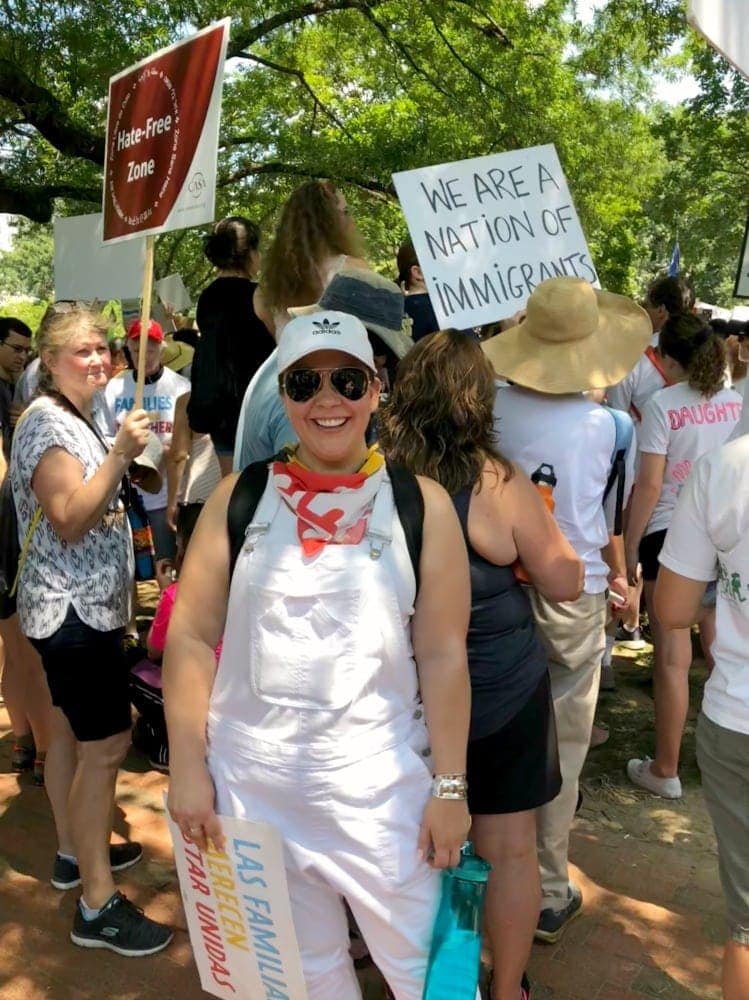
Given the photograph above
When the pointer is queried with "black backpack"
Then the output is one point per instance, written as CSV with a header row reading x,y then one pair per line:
x,y
251,484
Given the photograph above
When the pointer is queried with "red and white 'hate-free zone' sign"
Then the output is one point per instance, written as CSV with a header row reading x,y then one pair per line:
x,y
162,138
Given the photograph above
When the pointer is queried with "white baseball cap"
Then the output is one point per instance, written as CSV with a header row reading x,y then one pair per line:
x,y
324,331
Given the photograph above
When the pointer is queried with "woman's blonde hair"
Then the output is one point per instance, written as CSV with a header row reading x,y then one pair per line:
x,y
311,228
438,421
698,349
57,330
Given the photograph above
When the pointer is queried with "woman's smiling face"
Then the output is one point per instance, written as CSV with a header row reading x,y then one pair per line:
x,y
82,366
331,429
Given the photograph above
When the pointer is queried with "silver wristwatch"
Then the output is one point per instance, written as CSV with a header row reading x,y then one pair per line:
x,y
450,786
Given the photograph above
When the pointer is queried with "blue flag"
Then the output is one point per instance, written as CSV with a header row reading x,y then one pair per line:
x,y
673,267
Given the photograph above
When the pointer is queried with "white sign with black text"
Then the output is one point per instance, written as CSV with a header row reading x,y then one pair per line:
x,y
488,230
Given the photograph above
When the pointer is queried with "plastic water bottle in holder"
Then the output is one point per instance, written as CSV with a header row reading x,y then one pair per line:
x,y
455,955
544,479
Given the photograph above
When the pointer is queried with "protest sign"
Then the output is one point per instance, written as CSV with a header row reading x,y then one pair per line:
x,y
239,915
741,286
162,138
725,25
172,292
487,230
84,269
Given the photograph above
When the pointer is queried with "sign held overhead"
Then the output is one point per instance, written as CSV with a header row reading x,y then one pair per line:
x,y
487,230
162,138
725,25
84,269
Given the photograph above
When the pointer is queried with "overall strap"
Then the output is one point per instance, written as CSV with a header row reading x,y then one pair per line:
x,y
379,531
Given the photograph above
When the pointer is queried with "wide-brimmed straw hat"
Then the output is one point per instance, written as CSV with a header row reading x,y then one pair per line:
x,y
574,337
374,300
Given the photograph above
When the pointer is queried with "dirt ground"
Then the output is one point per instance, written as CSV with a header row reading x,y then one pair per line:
x,y
651,924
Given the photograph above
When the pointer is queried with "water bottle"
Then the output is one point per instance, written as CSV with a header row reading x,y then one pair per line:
x,y
544,479
455,954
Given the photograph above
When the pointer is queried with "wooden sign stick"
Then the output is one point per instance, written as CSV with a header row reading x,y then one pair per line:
x,y
145,320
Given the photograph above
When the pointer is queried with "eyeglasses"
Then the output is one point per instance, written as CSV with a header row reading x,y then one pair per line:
x,y
301,384
17,348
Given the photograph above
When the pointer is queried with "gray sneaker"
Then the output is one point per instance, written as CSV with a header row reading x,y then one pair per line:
x,y
551,923
121,927
65,874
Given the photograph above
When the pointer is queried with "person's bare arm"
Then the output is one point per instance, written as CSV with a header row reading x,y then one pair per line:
x,y
195,627
3,465
553,566
677,599
73,506
177,456
439,628
262,311
644,499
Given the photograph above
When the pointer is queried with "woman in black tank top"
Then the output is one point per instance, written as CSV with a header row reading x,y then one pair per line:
x,y
439,423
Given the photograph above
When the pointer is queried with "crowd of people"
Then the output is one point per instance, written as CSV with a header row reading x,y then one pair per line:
x,y
403,556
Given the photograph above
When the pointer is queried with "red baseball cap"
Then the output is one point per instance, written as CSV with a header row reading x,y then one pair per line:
x,y
154,331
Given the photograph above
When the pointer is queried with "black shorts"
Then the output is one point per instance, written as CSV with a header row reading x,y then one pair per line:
x,y
650,548
517,768
88,678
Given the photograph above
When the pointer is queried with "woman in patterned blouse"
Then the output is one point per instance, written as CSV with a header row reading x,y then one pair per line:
x,y
73,602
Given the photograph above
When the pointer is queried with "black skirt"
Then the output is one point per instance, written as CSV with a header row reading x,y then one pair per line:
x,y
517,767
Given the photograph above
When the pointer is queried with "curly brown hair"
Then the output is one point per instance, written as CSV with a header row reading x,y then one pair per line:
x,y
698,349
311,228
438,421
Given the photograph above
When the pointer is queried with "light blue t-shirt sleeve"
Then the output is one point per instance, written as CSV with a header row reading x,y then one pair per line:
x,y
281,431
263,427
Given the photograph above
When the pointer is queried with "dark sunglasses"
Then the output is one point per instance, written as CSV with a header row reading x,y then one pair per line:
x,y
301,384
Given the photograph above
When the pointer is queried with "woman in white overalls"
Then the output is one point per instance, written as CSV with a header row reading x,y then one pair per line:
x,y
318,720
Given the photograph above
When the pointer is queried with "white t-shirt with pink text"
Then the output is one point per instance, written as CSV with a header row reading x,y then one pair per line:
x,y
682,424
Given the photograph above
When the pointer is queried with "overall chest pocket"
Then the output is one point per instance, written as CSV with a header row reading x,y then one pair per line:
x,y
304,651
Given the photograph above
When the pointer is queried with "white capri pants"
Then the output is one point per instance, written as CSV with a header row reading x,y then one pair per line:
x,y
349,832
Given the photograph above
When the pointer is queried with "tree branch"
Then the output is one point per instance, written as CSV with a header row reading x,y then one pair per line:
x,y
36,201
48,115
291,71
457,56
383,192
245,38
405,53
491,29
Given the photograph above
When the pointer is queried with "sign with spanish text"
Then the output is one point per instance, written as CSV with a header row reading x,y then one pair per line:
x,y
84,269
741,286
162,138
239,915
725,25
488,230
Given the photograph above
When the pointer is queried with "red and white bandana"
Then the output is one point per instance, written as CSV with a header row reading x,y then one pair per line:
x,y
330,508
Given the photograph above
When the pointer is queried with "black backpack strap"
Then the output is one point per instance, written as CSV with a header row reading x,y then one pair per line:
x,y
409,504
618,476
242,505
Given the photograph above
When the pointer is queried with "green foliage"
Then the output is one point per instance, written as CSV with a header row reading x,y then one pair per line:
x,y
370,87
30,313
26,269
